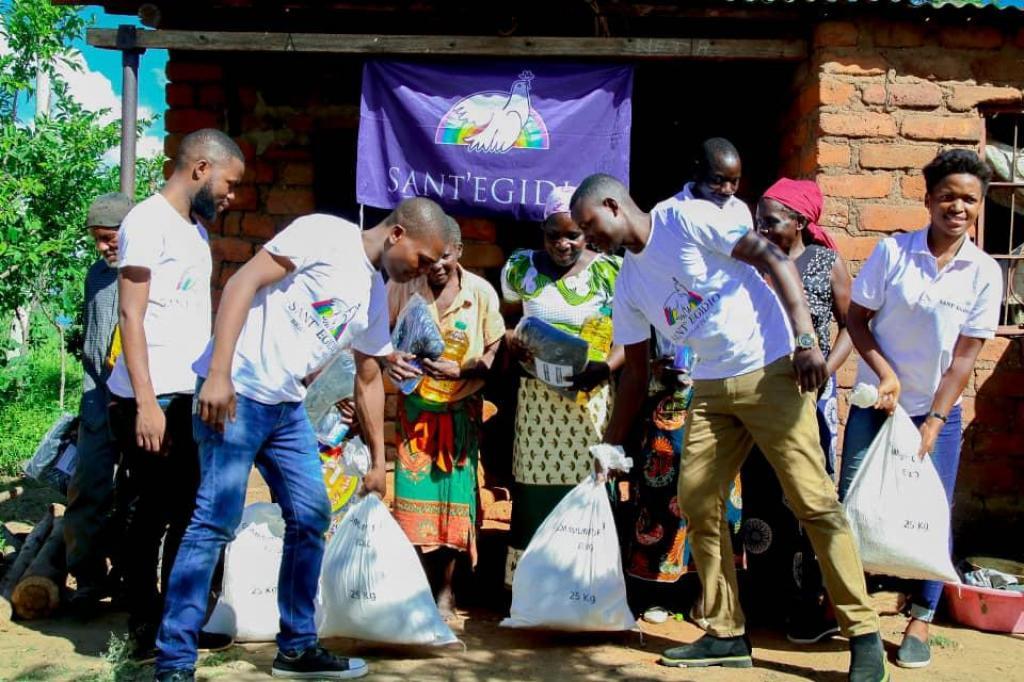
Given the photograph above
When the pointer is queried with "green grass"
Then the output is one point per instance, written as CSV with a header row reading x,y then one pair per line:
x,y
943,642
29,407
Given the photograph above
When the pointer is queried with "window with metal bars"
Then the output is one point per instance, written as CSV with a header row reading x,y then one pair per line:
x,y
1001,228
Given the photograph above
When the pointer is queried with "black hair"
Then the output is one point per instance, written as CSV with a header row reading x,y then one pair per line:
x,y
711,150
953,162
599,184
207,143
420,217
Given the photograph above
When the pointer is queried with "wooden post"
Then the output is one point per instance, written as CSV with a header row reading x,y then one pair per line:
x,y
37,594
129,105
26,554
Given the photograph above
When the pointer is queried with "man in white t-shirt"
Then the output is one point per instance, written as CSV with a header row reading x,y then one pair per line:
x,y
691,271
312,291
164,300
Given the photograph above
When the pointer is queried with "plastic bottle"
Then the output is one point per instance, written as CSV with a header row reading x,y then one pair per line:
x,y
336,382
597,331
456,343
409,386
330,429
864,395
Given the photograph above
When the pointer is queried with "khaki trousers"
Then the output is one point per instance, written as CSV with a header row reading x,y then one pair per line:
x,y
727,417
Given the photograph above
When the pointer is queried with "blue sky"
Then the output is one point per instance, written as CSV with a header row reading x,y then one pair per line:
x,y
91,89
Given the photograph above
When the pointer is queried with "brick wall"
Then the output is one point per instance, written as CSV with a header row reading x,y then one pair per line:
x,y
877,102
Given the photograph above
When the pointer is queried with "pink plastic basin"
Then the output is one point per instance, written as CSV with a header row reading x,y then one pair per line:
x,y
986,609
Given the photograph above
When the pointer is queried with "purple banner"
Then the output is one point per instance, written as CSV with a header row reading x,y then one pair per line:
x,y
489,137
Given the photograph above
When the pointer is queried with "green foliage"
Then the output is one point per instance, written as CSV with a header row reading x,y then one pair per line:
x,y
29,408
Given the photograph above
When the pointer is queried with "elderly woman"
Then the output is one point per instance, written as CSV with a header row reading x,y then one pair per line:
x,y
938,284
439,424
787,215
564,284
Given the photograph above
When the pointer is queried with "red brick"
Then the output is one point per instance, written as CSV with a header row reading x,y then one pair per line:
x,y
391,407
171,143
885,218
284,201
835,34
892,34
855,248
833,154
981,378
231,249
258,173
835,92
933,64
232,224
912,187
854,65
863,124
168,169
998,69
854,186
967,414
258,225
278,153
179,95
246,198
904,95
211,96
968,97
301,123
994,349
247,148
478,229
1019,40
193,72
390,432
482,256
897,155
297,173
188,120
971,37
836,213
942,128
227,270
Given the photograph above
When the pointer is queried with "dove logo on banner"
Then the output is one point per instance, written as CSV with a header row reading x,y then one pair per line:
x,y
489,138
495,121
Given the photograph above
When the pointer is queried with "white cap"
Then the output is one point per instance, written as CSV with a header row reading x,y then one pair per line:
x,y
558,201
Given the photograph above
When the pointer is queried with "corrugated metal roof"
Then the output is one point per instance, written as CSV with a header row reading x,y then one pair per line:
x,y
998,4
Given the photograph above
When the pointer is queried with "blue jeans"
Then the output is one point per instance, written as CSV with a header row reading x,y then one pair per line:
x,y
861,428
280,441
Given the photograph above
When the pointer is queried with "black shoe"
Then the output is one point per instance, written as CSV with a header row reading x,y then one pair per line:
x,y
214,641
187,675
913,653
867,659
85,603
317,662
728,652
811,627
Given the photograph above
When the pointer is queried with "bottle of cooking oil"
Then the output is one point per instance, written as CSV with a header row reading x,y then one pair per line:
x,y
456,343
597,331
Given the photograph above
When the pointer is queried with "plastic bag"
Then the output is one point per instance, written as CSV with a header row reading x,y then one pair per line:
x,y
247,608
570,577
373,586
343,471
557,355
56,456
897,507
416,332
335,382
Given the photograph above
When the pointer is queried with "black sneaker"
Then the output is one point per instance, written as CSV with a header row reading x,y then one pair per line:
x,y
187,675
913,653
811,628
728,652
867,659
317,662
214,641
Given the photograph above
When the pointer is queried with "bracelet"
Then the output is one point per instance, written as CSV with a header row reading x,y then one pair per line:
x,y
941,417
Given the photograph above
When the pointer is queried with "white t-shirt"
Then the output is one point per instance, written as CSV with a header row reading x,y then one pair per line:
x,y
333,299
920,312
177,323
686,284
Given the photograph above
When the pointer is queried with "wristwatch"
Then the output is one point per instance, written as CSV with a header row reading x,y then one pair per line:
x,y
805,341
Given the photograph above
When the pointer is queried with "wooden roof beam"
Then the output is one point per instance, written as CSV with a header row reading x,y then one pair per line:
x,y
717,49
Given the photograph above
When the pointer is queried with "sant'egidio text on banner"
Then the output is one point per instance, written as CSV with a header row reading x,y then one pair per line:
x,y
489,137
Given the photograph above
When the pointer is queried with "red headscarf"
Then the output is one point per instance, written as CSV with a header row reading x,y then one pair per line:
x,y
804,197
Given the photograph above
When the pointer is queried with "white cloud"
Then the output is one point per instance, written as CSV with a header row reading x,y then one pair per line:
x,y
93,90
159,75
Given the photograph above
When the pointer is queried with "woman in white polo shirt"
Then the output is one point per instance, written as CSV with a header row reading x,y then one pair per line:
x,y
922,307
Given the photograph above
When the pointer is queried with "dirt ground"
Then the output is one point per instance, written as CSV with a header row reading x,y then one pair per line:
x,y
62,649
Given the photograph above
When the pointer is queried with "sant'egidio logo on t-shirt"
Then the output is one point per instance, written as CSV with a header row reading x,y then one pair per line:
x,y
326,319
686,310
